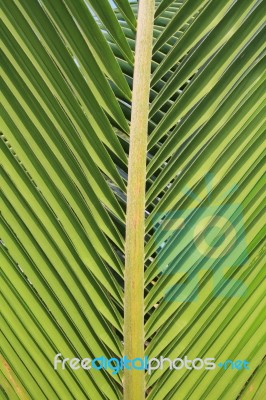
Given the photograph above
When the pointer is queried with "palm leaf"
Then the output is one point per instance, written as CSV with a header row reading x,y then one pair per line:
x,y
69,129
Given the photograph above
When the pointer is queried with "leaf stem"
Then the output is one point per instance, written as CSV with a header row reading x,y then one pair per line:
x,y
134,380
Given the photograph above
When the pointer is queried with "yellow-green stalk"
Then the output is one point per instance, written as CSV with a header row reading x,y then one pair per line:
x,y
134,380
